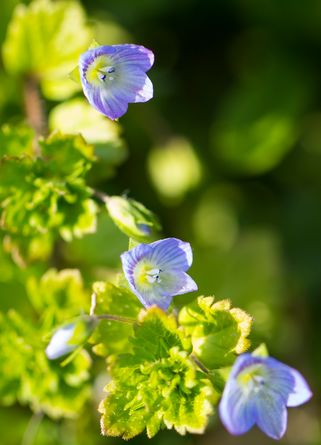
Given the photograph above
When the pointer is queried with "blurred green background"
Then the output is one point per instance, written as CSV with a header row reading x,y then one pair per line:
x,y
228,154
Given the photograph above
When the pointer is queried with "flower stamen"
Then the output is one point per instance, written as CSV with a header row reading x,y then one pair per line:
x,y
153,276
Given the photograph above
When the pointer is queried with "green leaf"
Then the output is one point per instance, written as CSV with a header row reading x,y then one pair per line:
x,y
261,351
218,332
27,376
15,141
157,385
58,296
43,198
111,337
132,218
45,39
77,116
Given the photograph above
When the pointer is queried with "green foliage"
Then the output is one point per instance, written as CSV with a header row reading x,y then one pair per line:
x,y
133,218
256,128
174,168
46,197
112,337
58,296
77,116
218,332
27,375
16,140
157,385
45,39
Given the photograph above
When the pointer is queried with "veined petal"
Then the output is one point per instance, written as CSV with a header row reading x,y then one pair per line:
x,y
177,283
106,102
301,392
153,297
135,87
237,411
130,260
172,253
271,414
279,378
134,54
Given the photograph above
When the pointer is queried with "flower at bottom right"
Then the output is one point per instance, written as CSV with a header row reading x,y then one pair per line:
x,y
258,392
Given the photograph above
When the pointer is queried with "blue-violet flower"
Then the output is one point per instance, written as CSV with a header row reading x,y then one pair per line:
x,y
258,391
156,272
114,76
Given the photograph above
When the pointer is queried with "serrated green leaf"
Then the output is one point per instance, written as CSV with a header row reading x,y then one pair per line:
x,y
58,295
42,198
69,155
27,376
157,385
16,141
46,39
218,332
112,337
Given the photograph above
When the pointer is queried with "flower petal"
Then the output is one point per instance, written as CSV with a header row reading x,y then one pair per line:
x,y
58,345
106,102
176,283
279,378
153,296
236,410
271,414
172,253
301,391
131,258
133,54
134,87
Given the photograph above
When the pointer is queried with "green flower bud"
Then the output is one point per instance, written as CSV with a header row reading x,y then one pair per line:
x,y
132,218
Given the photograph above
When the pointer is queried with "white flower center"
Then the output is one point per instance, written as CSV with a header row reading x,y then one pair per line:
x,y
103,73
153,276
253,378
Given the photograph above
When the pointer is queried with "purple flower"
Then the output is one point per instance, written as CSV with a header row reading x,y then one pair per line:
x,y
156,271
258,391
114,76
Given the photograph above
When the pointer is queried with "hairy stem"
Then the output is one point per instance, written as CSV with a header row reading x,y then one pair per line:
x,y
199,364
115,318
34,110
31,431
103,197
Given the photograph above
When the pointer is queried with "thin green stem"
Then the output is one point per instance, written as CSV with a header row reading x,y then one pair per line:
x,y
31,431
118,318
100,195
34,110
199,364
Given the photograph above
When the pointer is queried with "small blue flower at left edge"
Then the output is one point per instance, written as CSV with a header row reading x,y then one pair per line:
x,y
114,76
156,272
258,392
